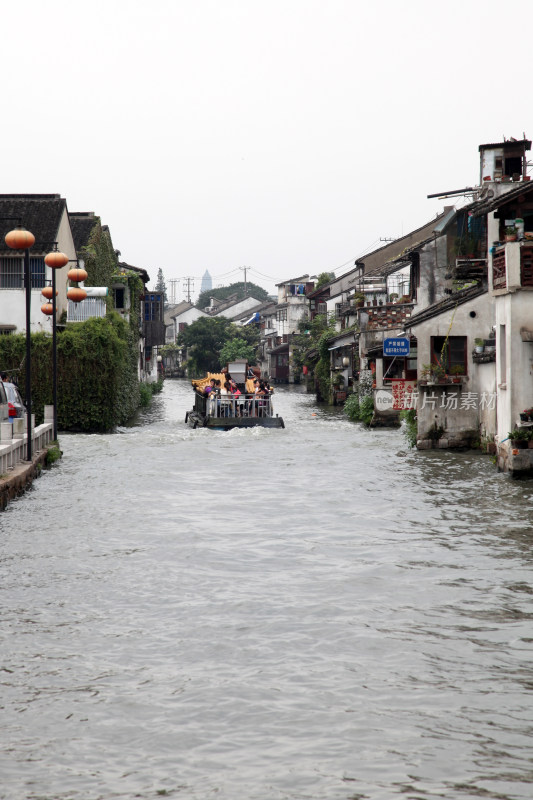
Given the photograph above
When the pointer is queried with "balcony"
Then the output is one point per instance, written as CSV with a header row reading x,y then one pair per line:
x,y
512,265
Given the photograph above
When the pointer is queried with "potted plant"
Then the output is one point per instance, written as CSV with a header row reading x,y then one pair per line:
x,y
359,299
519,438
426,375
511,234
457,370
439,373
479,345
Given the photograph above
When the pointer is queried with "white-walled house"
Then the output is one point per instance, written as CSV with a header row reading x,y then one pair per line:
x,y
46,216
183,314
508,206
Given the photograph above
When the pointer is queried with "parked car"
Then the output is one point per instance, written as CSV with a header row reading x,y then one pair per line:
x,y
4,407
15,402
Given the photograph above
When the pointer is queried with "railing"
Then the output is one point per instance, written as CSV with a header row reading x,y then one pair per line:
x,y
225,406
499,276
87,309
13,439
526,266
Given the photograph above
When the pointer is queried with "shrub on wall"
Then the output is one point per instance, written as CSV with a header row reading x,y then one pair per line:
x,y
98,387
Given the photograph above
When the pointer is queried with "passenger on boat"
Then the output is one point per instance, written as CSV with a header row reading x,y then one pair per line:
x,y
210,386
236,393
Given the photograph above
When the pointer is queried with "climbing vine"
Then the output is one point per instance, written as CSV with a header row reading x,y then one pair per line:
x,y
98,387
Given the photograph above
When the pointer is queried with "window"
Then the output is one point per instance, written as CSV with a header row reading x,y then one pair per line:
x,y
118,291
281,315
37,271
449,354
182,326
322,308
12,272
153,307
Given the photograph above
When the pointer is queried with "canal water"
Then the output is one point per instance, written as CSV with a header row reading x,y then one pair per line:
x,y
315,613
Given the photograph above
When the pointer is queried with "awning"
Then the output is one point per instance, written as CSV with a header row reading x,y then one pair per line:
x,y
345,343
254,318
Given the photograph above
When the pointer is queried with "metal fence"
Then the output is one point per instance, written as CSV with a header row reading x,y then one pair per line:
x,y
88,308
223,406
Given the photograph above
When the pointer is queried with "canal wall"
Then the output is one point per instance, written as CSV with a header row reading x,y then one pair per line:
x,y
16,472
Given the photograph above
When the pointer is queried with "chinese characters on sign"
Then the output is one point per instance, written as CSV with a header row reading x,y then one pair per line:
x,y
396,347
402,394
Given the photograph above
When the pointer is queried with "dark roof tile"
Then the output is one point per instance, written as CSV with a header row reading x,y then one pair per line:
x,y
39,213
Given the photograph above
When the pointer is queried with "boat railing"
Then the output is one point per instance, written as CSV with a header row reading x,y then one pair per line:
x,y
245,405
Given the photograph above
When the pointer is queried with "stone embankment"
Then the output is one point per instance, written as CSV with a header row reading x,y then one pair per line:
x,y
16,472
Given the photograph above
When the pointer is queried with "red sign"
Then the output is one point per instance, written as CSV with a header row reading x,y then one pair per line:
x,y
404,394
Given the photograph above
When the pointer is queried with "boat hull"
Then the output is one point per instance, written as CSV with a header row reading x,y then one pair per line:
x,y
196,420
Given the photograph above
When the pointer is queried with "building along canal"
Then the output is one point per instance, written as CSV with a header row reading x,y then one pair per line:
x,y
316,612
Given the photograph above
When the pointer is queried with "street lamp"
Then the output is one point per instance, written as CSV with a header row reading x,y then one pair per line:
x,y
54,260
21,239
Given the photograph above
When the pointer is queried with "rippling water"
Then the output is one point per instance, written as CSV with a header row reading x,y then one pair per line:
x,y
315,612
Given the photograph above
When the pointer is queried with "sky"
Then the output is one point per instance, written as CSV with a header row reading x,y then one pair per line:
x,y
289,137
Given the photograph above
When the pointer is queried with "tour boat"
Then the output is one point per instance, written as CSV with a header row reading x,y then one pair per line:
x,y
224,411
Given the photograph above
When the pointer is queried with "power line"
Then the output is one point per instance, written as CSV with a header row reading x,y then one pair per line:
x,y
188,281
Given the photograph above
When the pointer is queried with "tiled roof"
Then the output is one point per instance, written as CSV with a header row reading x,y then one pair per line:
x,y
39,213
81,225
524,141
456,299
302,279
142,272
491,203
393,266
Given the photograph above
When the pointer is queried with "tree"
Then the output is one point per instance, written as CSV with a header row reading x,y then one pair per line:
x,y
160,285
237,348
206,338
252,290
324,278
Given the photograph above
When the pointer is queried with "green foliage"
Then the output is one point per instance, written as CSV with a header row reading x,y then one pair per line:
x,y
252,290
145,395
367,409
205,339
160,285
359,409
322,369
101,261
352,408
53,454
147,391
310,347
237,348
97,379
410,426
520,434
324,278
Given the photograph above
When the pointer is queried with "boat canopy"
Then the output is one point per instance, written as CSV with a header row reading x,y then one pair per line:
x,y
221,376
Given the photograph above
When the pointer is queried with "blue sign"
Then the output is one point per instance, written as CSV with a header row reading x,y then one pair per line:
x,y
396,347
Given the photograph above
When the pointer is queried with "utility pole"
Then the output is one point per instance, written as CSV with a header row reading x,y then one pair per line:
x,y
188,281
245,269
173,283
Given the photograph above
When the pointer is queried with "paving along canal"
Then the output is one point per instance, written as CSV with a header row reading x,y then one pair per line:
x,y
316,612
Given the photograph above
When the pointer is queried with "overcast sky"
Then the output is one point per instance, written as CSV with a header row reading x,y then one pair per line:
x,y
288,136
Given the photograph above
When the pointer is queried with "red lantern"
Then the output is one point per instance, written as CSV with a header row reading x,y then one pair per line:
x,y
76,294
19,239
77,274
47,308
48,292
56,260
